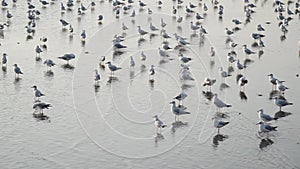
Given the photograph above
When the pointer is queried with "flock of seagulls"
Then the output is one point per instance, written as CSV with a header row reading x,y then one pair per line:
x,y
285,15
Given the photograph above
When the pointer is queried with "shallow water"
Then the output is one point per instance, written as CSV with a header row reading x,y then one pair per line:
x,y
111,126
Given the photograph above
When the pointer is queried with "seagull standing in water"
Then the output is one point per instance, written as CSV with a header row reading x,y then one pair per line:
x,y
83,36
49,63
37,93
112,68
219,103
273,80
180,97
281,103
151,73
265,117
4,60
96,77
158,124
67,57
265,128
177,111
218,123
41,106
17,71
209,82
132,62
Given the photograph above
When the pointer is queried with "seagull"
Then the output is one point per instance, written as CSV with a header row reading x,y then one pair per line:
x,y
63,23
96,77
151,73
112,67
83,35
141,31
177,111
265,128
152,27
165,35
37,93
132,62
223,74
162,23
186,75
218,123
230,58
49,63
265,117
194,27
180,97
239,66
219,103
198,16
67,57
41,106
247,50
158,124
143,56
38,51
228,32
202,30
209,82
273,80
124,27
281,103
100,18
212,52
260,28
242,82
281,87
236,21
184,59
162,53
17,71
4,59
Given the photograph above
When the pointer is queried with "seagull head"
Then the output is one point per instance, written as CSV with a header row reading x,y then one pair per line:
x,y
108,63
34,86
260,110
260,122
15,65
271,75
172,102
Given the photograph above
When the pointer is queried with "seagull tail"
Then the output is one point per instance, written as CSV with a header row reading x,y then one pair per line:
x,y
228,105
225,123
186,112
274,128
275,118
163,126
290,103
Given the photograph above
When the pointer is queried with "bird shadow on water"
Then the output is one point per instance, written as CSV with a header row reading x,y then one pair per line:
x,y
141,41
49,73
224,86
281,114
112,79
230,69
265,142
238,76
159,137
178,124
4,69
41,117
208,94
117,53
67,67
219,138
243,96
